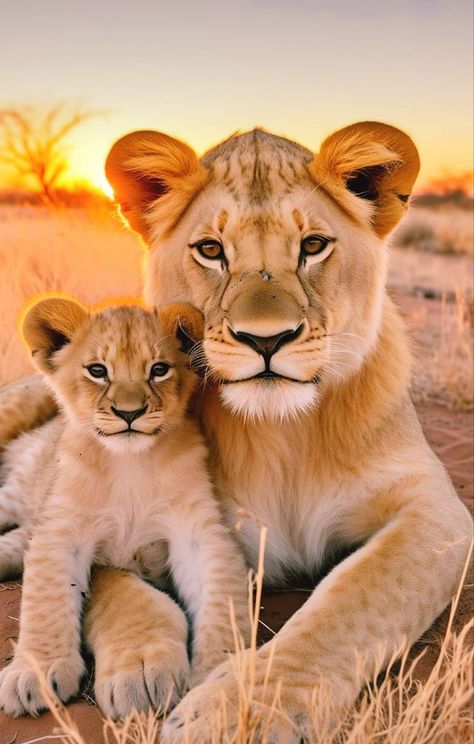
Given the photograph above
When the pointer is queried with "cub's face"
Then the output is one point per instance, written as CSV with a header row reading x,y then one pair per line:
x,y
119,373
281,250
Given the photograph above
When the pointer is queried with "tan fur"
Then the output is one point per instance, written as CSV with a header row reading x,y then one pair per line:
x,y
24,404
136,496
330,455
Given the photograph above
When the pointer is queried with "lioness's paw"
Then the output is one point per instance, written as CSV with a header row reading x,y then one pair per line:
x,y
216,711
20,688
155,675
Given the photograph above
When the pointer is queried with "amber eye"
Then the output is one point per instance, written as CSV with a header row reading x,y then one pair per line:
x,y
313,244
159,369
99,371
210,249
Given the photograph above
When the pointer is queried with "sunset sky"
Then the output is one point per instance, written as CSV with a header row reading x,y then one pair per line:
x,y
201,70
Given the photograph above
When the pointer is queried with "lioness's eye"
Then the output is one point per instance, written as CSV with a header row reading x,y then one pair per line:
x,y
99,371
159,369
210,249
316,246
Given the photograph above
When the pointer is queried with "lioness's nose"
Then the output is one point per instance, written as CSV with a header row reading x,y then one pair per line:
x,y
267,345
129,416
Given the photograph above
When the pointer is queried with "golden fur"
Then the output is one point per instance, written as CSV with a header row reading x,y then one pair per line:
x,y
133,493
325,448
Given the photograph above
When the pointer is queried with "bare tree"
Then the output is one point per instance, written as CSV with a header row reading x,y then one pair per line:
x,y
33,141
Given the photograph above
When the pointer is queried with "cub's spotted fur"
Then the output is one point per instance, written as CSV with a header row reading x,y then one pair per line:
x,y
119,479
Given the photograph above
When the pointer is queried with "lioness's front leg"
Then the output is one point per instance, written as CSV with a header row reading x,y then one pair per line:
x,y
384,595
24,404
138,636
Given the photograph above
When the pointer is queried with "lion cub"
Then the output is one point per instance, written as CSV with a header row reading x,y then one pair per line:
x,y
124,484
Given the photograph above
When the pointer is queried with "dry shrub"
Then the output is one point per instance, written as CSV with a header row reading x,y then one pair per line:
x,y
395,708
449,230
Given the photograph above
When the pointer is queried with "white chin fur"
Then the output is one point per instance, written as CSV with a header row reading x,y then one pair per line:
x,y
122,444
273,400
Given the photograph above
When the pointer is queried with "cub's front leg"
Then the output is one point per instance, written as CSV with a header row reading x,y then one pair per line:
x,y
210,574
55,579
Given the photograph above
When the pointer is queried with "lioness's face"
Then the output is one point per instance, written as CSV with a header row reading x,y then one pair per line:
x,y
280,249
289,285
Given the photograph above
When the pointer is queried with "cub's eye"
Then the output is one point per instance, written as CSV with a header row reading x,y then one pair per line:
x,y
313,244
159,369
99,371
210,249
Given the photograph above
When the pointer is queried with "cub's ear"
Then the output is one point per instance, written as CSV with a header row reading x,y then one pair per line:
x,y
372,161
48,325
145,166
184,322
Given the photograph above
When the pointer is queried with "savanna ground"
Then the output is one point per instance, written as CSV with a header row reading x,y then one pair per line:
x,y
90,254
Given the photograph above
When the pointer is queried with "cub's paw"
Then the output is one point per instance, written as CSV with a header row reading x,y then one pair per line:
x,y
20,688
155,675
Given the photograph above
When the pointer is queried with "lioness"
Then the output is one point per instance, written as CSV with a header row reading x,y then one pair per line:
x,y
305,404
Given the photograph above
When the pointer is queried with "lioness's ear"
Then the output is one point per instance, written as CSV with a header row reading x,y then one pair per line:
x,y
48,325
184,322
145,166
372,161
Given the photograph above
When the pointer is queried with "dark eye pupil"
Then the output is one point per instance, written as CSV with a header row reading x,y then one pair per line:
x,y
159,369
97,370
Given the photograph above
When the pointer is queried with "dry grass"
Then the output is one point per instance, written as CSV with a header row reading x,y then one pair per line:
x,y
394,708
444,353
445,230
441,327
85,253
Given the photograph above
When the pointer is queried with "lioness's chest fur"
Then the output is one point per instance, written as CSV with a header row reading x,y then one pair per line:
x,y
318,499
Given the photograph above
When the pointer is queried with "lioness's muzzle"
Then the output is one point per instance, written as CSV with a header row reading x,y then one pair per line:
x,y
265,312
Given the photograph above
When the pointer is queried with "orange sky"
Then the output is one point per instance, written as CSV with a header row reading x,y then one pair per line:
x,y
202,70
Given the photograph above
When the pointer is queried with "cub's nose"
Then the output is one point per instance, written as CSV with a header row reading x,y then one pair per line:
x,y
267,345
129,416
